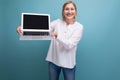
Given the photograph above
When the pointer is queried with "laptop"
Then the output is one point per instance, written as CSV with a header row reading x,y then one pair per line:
x,y
35,26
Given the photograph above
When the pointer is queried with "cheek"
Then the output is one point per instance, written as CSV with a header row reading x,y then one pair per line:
x,y
65,12
73,11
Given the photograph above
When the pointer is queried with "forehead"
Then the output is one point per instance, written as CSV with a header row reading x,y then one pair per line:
x,y
69,5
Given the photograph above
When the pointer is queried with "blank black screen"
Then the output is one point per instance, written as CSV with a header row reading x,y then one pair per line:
x,y
35,22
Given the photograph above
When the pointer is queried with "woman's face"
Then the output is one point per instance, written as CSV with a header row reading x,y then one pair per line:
x,y
69,12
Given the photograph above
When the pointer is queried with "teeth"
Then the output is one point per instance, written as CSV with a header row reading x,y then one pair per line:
x,y
69,14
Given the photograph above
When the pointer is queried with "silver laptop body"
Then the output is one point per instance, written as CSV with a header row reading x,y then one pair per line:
x,y
35,26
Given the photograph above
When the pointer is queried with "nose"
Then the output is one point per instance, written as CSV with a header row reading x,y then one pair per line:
x,y
69,11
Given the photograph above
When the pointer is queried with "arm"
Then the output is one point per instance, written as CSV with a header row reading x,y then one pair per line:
x,y
52,25
72,41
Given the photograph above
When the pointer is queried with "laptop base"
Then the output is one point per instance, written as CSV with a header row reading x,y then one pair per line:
x,y
35,37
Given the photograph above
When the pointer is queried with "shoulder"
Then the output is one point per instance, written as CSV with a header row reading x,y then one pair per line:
x,y
56,21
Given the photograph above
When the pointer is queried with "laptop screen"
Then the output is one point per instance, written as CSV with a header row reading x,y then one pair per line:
x,y
36,21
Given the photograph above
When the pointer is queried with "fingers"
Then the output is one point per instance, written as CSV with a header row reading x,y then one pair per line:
x,y
19,30
54,34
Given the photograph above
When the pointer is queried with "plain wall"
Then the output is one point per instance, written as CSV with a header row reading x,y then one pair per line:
x,y
98,54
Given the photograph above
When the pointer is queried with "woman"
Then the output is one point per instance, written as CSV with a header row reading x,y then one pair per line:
x,y
62,52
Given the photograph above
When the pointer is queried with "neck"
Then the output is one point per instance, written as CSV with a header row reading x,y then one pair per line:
x,y
70,21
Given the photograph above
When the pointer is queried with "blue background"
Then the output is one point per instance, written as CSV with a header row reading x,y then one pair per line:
x,y
98,54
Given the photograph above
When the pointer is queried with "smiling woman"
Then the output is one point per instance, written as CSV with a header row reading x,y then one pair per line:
x,y
62,52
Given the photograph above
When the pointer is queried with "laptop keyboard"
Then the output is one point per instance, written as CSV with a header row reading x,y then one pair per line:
x,y
36,33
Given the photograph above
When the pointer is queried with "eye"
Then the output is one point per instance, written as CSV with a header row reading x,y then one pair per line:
x,y
66,8
72,8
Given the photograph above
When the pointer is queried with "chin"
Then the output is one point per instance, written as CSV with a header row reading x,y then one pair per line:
x,y
67,17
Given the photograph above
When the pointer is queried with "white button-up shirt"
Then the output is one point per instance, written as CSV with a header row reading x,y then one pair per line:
x,y
62,51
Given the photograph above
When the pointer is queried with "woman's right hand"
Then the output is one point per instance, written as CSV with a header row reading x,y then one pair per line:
x,y
19,30
54,34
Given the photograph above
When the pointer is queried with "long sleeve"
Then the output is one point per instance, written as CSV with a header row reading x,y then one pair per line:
x,y
71,42
53,25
